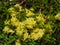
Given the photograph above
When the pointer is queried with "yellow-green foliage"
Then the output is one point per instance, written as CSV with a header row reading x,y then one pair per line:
x,y
33,22
27,28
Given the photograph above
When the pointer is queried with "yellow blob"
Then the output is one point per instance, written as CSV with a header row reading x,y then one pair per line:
x,y
11,10
7,22
29,13
37,34
15,21
19,29
40,18
17,42
57,16
25,36
31,9
30,22
18,6
8,30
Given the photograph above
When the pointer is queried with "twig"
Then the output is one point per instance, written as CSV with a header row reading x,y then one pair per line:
x,y
22,2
